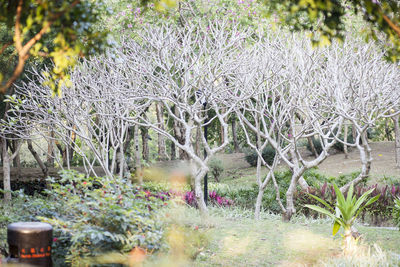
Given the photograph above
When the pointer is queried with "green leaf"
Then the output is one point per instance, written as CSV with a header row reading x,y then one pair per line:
x,y
339,196
372,200
336,227
361,200
321,210
350,192
321,201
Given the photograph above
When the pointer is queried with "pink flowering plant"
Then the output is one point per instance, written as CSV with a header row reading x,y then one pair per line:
x,y
214,199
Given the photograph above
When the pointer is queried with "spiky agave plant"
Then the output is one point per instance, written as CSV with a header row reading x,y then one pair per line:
x,y
345,211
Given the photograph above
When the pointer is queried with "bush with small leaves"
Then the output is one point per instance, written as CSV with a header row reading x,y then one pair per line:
x,y
93,216
216,168
268,155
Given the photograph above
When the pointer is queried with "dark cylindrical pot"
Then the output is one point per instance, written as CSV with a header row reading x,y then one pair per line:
x,y
30,243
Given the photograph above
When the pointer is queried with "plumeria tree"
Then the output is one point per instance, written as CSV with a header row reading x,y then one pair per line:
x,y
362,88
190,71
90,112
288,92
261,80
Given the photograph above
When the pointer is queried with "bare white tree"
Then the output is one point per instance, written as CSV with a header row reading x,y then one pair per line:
x,y
396,120
294,93
261,79
190,71
362,88
91,109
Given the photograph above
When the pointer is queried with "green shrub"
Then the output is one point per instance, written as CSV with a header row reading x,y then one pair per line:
x,y
317,145
216,168
396,212
343,179
156,186
9,213
93,216
220,188
29,187
389,180
378,213
314,177
339,146
268,155
246,197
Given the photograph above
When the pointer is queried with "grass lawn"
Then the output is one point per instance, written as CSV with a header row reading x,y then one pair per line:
x,y
236,239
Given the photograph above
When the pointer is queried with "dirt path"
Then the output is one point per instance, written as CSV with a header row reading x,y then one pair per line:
x,y
383,163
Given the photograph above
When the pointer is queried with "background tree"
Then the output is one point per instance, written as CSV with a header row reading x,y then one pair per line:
x,y
363,89
326,19
183,69
60,30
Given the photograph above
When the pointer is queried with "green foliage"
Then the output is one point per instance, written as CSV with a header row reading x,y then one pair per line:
x,y
317,145
92,216
314,177
343,179
389,180
156,186
396,212
346,210
378,213
268,155
383,130
102,215
70,25
216,168
28,187
305,14
339,146
220,188
9,213
245,197
326,19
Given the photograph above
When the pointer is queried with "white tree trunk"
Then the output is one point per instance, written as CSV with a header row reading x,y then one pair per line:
x,y
17,159
366,160
290,209
397,139
6,167
138,166
42,166
234,136
303,184
6,171
345,150
50,150
258,203
162,151
198,190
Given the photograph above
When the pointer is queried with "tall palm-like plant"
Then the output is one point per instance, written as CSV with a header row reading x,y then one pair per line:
x,y
345,211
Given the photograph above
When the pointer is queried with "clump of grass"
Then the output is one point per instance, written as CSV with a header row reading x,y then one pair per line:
x,y
364,256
